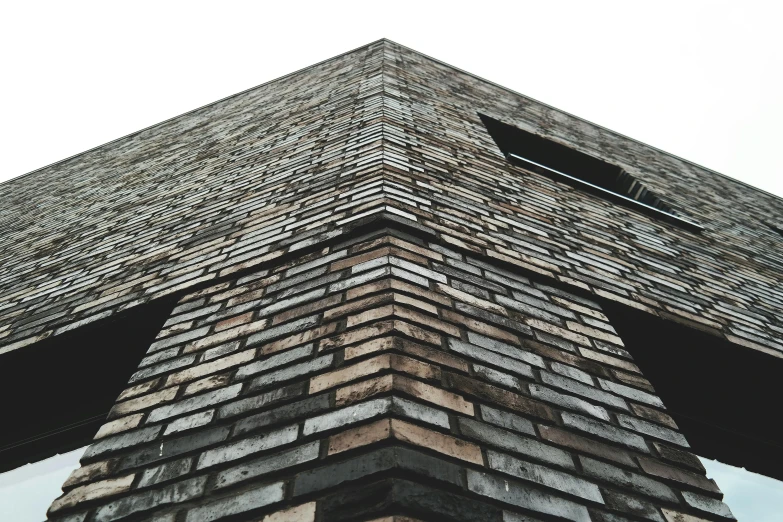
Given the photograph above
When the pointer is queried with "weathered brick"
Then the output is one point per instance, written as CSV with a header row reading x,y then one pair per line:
x,y
123,441
165,472
292,372
238,503
285,413
567,401
103,488
300,513
558,480
173,447
143,402
260,401
194,403
244,447
515,352
201,370
498,395
119,425
632,506
707,504
486,356
627,479
273,361
592,447
260,466
514,493
171,494
190,422
583,390
631,393
679,457
605,431
695,480
512,442
653,430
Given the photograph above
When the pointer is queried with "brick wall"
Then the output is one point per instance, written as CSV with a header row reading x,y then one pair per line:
x,y
388,378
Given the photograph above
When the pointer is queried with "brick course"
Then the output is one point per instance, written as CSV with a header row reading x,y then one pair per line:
x,y
395,402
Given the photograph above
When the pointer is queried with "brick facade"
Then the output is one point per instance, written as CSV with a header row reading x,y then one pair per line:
x,y
387,377
379,318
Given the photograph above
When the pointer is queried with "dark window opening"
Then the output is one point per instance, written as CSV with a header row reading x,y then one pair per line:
x,y
55,394
723,397
588,173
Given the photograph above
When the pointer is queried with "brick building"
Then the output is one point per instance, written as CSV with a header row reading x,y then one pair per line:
x,y
384,289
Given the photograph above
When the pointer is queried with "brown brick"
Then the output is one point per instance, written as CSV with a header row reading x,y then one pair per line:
x,y
400,286
139,389
209,383
93,491
360,436
372,366
612,361
301,513
653,415
355,336
307,309
299,338
89,473
676,516
119,425
591,447
497,395
226,335
479,327
656,468
344,263
143,402
234,321
436,441
217,365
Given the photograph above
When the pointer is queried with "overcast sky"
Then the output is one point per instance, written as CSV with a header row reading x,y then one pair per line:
x,y
702,80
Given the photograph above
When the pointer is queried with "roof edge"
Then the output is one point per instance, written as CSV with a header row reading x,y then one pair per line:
x,y
512,91
191,111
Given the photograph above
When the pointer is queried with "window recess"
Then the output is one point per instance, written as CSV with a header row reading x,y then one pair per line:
x,y
582,171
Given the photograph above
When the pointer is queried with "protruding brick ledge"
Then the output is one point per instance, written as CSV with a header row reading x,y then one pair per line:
x,y
388,378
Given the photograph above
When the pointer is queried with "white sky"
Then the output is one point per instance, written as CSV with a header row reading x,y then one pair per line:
x,y
702,80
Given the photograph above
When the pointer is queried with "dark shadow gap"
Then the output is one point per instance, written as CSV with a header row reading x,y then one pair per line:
x,y
725,398
55,394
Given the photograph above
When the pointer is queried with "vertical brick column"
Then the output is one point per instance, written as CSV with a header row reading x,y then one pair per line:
x,y
389,379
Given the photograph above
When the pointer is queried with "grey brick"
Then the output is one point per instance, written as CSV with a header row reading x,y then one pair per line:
x,y
284,413
707,504
583,390
605,431
274,361
493,318
194,403
409,277
317,262
165,472
568,401
513,442
507,420
571,372
515,352
219,351
633,506
631,393
517,494
174,447
382,460
248,446
172,494
417,411
360,279
191,421
167,366
347,416
487,356
282,304
627,479
123,441
291,372
653,430
238,503
179,339
503,379
554,479
260,401
268,464
281,330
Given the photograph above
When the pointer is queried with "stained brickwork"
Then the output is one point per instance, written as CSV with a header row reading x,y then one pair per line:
x,y
388,377
274,170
